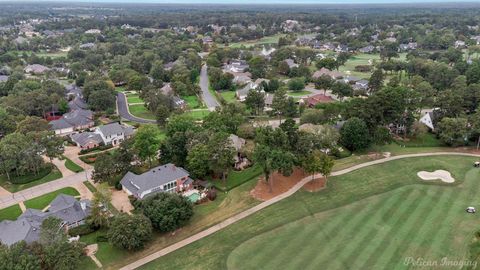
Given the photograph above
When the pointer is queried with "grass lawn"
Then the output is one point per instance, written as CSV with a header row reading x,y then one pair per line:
x,y
229,96
299,93
72,166
262,41
236,178
44,200
363,59
199,114
371,218
53,175
52,54
10,213
193,102
134,98
120,89
90,186
140,111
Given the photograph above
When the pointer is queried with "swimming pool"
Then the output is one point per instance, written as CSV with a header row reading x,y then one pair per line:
x,y
194,197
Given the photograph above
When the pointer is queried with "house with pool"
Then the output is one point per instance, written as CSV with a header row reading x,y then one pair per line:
x,y
163,178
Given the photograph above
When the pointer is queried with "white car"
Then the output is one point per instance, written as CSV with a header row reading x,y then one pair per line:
x,y
471,210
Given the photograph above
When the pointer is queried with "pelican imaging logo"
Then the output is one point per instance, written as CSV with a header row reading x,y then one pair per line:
x,y
443,262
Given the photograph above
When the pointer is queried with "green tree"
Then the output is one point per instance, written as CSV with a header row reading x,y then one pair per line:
x,y
32,124
221,158
18,257
147,143
255,101
52,231
99,213
167,211
376,81
130,232
453,131
196,160
354,134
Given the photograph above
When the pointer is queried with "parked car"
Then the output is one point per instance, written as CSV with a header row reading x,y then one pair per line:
x,y
471,210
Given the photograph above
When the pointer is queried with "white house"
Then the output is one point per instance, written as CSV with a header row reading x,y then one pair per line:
x,y
427,119
114,133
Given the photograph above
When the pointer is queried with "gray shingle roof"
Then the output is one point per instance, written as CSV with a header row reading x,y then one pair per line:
x,y
27,226
114,129
154,178
84,138
74,118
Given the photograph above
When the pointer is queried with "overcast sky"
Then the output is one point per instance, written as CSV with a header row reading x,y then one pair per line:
x,y
261,1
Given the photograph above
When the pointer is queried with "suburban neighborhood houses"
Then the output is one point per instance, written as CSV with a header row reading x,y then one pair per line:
x,y
212,136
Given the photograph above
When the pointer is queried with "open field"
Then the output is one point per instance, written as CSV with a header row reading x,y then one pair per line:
x,y
139,110
54,174
44,200
363,59
371,218
265,40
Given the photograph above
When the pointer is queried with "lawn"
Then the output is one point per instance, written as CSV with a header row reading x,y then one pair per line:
x,y
43,201
139,110
53,175
371,218
236,178
120,89
299,93
193,102
229,96
72,166
10,213
363,59
198,114
262,41
134,98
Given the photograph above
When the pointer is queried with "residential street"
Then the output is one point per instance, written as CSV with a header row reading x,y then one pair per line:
x,y
26,194
122,108
207,97
265,204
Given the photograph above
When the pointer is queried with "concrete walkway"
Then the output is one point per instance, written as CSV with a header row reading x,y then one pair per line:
x,y
71,152
90,252
265,204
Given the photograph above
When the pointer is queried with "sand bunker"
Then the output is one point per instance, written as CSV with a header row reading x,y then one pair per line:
x,y
443,175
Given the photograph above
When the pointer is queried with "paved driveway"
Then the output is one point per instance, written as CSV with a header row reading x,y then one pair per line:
x,y
122,108
207,97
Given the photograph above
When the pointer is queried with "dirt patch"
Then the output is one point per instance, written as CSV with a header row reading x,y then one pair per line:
x,y
280,185
315,185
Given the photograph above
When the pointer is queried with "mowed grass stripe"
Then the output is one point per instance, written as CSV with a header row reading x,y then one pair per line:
x,y
368,230
312,231
406,232
373,243
451,218
405,213
345,233
371,255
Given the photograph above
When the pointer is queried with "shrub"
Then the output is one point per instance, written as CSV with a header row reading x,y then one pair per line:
x,y
130,232
47,169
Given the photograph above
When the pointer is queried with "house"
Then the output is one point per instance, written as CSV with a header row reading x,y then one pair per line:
x,y
87,140
114,133
242,78
316,99
391,39
176,100
163,178
243,93
236,66
429,118
86,46
325,71
291,64
72,121
367,49
341,48
290,25
93,31
238,143
351,79
27,227
460,44
167,89
361,85
207,40
3,78
268,101
408,47
36,69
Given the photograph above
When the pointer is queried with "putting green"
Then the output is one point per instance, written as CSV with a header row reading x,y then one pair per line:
x,y
380,232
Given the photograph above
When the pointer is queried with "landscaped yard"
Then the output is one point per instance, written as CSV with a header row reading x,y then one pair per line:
x,y
10,213
299,93
43,201
229,96
371,218
205,215
72,166
193,102
198,114
236,178
54,174
139,110
134,98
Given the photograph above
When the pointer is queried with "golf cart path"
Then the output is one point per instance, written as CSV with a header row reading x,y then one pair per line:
x,y
248,212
